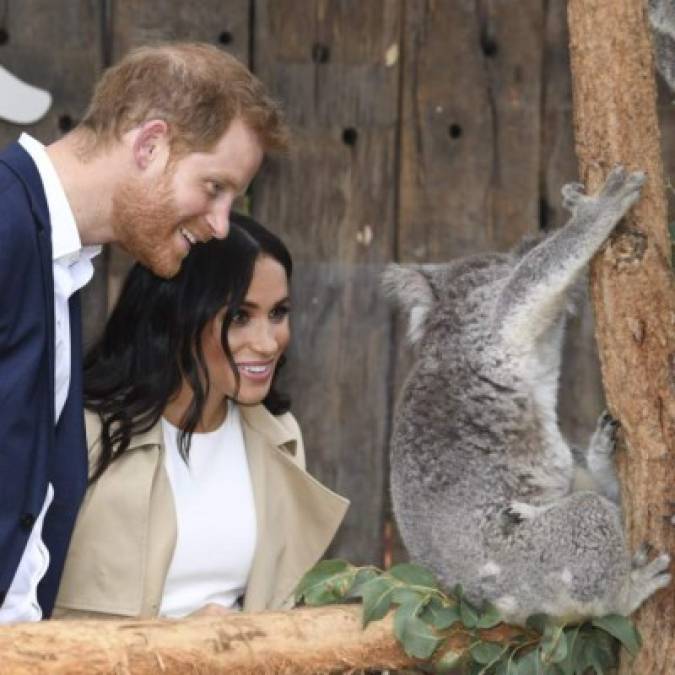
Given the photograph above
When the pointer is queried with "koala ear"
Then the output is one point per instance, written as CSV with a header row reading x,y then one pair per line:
x,y
411,288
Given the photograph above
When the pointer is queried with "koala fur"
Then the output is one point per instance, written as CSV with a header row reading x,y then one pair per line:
x,y
662,20
485,490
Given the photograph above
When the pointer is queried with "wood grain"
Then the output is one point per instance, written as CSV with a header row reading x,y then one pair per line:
x,y
633,288
335,67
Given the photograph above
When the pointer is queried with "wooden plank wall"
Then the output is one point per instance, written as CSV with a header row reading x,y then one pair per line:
x,y
424,130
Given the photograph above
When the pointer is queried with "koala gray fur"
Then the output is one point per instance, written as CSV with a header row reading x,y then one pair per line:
x,y
482,481
662,20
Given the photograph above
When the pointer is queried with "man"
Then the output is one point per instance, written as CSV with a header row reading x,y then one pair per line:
x,y
172,136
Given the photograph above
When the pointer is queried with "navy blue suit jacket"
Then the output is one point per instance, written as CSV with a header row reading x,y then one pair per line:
x,y
33,452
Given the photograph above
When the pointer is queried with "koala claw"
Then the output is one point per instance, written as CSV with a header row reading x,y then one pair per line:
x,y
641,557
621,185
654,568
604,438
572,195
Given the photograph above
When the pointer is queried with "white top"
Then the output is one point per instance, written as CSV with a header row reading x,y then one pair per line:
x,y
72,270
215,516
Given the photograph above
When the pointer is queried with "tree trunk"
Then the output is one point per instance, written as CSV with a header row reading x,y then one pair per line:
x,y
304,641
631,282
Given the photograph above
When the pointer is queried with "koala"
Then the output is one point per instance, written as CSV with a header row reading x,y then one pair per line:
x,y
662,20
485,490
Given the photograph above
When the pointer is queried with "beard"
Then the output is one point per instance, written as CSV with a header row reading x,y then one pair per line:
x,y
145,222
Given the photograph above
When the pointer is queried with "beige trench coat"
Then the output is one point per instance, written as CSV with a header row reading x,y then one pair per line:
x,y
125,533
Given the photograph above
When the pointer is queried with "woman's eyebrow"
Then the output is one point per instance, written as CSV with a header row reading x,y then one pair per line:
x,y
248,304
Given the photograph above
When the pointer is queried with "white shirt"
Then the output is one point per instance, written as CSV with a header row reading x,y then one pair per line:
x,y
72,270
215,516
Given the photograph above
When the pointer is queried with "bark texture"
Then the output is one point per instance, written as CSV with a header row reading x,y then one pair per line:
x,y
305,641
632,285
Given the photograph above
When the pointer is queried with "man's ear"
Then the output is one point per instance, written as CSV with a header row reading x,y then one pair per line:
x,y
150,144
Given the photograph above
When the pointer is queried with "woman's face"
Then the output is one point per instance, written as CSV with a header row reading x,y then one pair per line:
x,y
258,336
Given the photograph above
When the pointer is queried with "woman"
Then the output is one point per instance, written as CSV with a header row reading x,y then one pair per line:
x,y
198,494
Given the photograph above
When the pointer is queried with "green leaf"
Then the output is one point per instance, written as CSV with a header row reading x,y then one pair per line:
x,y
623,629
326,582
538,622
468,613
376,595
486,652
489,617
595,650
363,576
448,662
403,615
403,595
502,668
529,664
438,615
554,644
567,665
414,575
417,638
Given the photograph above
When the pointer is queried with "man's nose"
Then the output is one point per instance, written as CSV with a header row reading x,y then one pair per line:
x,y
219,220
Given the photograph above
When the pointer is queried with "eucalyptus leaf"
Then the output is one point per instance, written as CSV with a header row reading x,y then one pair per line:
x,y
404,595
414,575
363,576
403,615
438,615
486,652
595,650
554,644
326,582
376,595
529,664
538,622
502,668
417,639
623,629
468,613
567,665
489,617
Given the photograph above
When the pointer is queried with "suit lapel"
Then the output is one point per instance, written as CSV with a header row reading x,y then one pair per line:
x,y
20,163
297,516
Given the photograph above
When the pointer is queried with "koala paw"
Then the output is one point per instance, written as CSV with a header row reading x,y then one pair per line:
x,y
572,195
641,556
603,441
622,187
652,569
646,579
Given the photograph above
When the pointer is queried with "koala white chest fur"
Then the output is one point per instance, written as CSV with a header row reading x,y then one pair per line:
x,y
483,484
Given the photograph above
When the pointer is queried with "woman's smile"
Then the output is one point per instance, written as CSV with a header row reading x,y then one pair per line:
x,y
258,371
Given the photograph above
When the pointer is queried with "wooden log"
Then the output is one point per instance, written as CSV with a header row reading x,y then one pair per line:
x,y
304,641
632,281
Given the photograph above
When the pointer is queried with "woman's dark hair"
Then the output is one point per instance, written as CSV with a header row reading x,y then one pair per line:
x,y
152,338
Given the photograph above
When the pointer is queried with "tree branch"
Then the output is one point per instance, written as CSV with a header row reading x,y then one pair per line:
x,y
631,280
